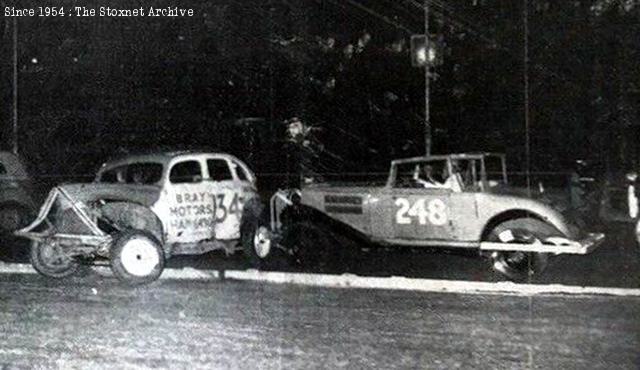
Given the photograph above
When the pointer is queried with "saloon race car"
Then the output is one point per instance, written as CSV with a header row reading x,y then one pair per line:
x,y
140,211
453,201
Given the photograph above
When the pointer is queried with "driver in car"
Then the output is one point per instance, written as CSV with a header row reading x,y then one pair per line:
x,y
454,180
427,179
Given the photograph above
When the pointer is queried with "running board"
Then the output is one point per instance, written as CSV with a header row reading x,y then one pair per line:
x,y
555,245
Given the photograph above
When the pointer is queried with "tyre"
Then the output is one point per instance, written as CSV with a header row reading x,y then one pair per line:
x,y
517,265
259,244
137,257
49,259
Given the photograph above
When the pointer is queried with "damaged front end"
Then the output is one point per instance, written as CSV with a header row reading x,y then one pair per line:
x,y
68,224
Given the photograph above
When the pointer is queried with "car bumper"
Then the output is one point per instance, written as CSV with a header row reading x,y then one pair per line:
x,y
555,245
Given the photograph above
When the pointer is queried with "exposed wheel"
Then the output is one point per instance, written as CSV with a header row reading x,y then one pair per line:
x,y
518,265
137,257
258,243
50,260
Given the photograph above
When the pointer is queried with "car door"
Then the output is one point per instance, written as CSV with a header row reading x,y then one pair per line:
x,y
231,186
187,203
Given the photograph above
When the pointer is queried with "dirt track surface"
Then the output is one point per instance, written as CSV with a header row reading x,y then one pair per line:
x,y
95,322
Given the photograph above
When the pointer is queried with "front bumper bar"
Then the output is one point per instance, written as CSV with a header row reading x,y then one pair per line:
x,y
555,245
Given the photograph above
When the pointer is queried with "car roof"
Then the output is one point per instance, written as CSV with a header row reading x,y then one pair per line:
x,y
162,157
475,155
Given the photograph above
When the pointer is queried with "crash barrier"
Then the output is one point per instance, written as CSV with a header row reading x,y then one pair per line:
x,y
360,282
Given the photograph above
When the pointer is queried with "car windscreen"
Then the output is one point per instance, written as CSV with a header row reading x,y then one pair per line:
x,y
135,173
409,175
493,167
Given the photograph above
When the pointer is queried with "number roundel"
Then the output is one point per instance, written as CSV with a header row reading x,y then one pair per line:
x,y
434,212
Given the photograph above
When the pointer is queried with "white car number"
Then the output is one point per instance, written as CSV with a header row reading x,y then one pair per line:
x,y
435,212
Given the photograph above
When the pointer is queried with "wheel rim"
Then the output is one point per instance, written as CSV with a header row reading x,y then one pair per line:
x,y
515,263
53,257
262,242
139,256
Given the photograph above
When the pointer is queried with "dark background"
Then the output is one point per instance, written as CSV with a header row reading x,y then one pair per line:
x,y
94,88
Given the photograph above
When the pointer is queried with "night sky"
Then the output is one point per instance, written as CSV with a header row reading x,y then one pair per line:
x,y
96,87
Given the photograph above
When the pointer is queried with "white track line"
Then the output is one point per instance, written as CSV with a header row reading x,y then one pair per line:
x,y
354,281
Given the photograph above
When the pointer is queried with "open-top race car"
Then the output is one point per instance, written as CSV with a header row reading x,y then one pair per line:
x,y
453,201
141,210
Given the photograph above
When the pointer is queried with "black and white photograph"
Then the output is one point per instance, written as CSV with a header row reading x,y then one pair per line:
x,y
319,184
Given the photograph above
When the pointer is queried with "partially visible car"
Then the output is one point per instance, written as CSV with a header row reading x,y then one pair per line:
x,y
16,201
619,201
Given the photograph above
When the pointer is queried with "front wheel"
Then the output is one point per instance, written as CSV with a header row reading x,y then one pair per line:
x,y
137,257
518,265
258,243
49,259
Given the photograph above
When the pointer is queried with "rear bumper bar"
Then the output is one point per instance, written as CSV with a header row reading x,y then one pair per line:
x,y
555,245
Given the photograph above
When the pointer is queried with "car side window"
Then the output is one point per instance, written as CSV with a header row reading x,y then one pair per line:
x,y
144,173
186,172
219,170
240,171
3,170
114,175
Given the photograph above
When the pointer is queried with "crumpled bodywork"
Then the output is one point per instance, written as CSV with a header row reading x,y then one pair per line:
x,y
145,195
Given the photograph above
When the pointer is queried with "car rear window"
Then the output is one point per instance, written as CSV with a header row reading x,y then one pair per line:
x,y
219,170
136,173
186,172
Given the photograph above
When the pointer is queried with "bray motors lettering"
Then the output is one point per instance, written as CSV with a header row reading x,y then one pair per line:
x,y
434,212
203,210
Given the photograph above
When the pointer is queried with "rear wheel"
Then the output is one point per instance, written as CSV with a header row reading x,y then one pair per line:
x,y
49,259
137,257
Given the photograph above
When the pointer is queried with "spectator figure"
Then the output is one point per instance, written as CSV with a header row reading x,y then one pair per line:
x,y
632,195
363,41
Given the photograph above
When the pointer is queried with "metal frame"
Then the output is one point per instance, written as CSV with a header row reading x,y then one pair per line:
x,y
99,237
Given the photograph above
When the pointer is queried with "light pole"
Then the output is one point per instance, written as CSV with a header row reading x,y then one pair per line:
x,y
14,135
427,122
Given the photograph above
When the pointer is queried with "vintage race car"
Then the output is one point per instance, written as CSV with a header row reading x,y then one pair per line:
x,y
453,201
141,210
17,206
